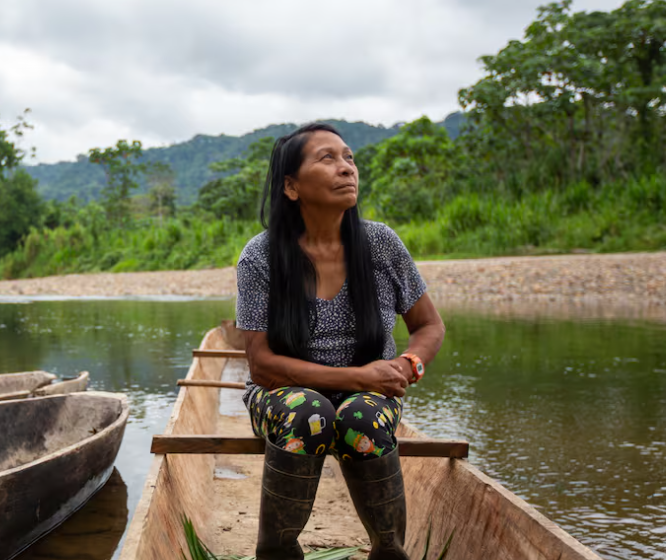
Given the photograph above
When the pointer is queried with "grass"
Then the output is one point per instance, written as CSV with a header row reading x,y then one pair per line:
x,y
617,217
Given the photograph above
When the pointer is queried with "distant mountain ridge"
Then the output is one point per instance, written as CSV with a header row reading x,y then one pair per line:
x,y
191,160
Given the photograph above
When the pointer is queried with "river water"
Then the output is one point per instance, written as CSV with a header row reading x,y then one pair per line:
x,y
568,414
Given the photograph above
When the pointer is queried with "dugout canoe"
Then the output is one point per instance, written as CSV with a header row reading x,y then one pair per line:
x,y
92,533
39,384
220,493
56,452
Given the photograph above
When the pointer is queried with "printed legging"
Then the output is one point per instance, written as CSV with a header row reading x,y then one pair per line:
x,y
353,427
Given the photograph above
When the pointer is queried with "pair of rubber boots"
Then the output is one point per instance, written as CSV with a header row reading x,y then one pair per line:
x,y
289,487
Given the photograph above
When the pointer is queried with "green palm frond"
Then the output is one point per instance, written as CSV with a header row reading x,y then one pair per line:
x,y
445,551
442,555
199,551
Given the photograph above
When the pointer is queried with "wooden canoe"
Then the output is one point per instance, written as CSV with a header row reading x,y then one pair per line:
x,y
92,533
21,385
56,452
220,493
39,384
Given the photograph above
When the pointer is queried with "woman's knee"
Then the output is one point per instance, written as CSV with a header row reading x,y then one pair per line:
x,y
303,420
365,426
313,416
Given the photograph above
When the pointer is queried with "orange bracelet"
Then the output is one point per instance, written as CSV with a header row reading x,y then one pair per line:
x,y
418,369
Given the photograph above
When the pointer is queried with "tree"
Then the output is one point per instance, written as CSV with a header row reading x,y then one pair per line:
x,y
238,193
162,193
411,172
20,205
581,97
363,160
121,169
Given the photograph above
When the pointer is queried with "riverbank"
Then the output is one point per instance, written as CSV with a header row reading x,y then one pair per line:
x,y
633,280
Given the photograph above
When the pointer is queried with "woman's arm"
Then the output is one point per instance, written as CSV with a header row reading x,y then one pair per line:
x,y
272,371
426,333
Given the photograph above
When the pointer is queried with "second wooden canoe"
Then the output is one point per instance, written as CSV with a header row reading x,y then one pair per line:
x,y
220,494
55,453
21,385
39,384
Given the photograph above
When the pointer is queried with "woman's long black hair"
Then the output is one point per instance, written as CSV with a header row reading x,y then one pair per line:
x,y
293,278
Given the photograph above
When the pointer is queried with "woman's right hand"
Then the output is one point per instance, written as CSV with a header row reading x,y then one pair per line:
x,y
385,378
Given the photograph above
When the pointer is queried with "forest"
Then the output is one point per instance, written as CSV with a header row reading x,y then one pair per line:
x,y
562,148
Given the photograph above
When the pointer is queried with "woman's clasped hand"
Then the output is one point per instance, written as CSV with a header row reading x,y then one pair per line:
x,y
385,377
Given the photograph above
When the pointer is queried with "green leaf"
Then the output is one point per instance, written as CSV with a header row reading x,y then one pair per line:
x,y
445,550
427,546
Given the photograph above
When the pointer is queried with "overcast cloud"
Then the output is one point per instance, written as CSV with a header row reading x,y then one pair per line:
x,y
94,71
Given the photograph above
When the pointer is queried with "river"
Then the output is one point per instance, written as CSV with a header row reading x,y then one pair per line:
x,y
568,414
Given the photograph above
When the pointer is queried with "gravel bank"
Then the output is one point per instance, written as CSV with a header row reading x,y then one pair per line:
x,y
629,281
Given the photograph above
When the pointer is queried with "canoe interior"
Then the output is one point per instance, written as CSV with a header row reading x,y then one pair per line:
x,y
221,494
33,428
25,381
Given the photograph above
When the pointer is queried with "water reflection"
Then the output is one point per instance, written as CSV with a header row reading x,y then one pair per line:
x,y
571,416
93,532
568,414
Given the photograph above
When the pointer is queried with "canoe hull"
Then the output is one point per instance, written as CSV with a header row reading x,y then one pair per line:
x,y
179,484
93,532
39,384
21,385
450,495
38,496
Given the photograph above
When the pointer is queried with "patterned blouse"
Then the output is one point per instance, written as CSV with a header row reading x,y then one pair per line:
x,y
332,331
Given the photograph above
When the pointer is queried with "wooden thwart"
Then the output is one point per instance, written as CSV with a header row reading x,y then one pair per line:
x,y
219,354
208,444
210,383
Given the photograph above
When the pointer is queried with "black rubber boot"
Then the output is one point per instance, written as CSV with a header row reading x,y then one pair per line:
x,y
378,493
289,486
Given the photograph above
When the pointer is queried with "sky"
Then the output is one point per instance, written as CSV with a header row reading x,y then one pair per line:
x,y
162,71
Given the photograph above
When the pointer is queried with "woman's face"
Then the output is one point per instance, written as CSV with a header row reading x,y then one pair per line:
x,y
328,177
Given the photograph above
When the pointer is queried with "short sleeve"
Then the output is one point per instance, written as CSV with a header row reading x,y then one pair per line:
x,y
406,279
252,300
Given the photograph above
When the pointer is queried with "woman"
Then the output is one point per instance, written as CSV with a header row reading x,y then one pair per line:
x,y
318,293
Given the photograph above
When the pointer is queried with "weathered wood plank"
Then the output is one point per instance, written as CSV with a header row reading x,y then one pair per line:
x,y
15,395
207,444
219,354
79,383
210,383
179,484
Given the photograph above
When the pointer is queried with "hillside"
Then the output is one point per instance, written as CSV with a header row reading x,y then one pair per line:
x,y
190,160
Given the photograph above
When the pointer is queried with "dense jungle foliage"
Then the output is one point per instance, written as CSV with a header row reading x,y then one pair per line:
x,y
190,161
563,148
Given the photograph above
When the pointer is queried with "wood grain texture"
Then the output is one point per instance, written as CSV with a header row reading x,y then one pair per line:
x,y
207,444
179,485
487,520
